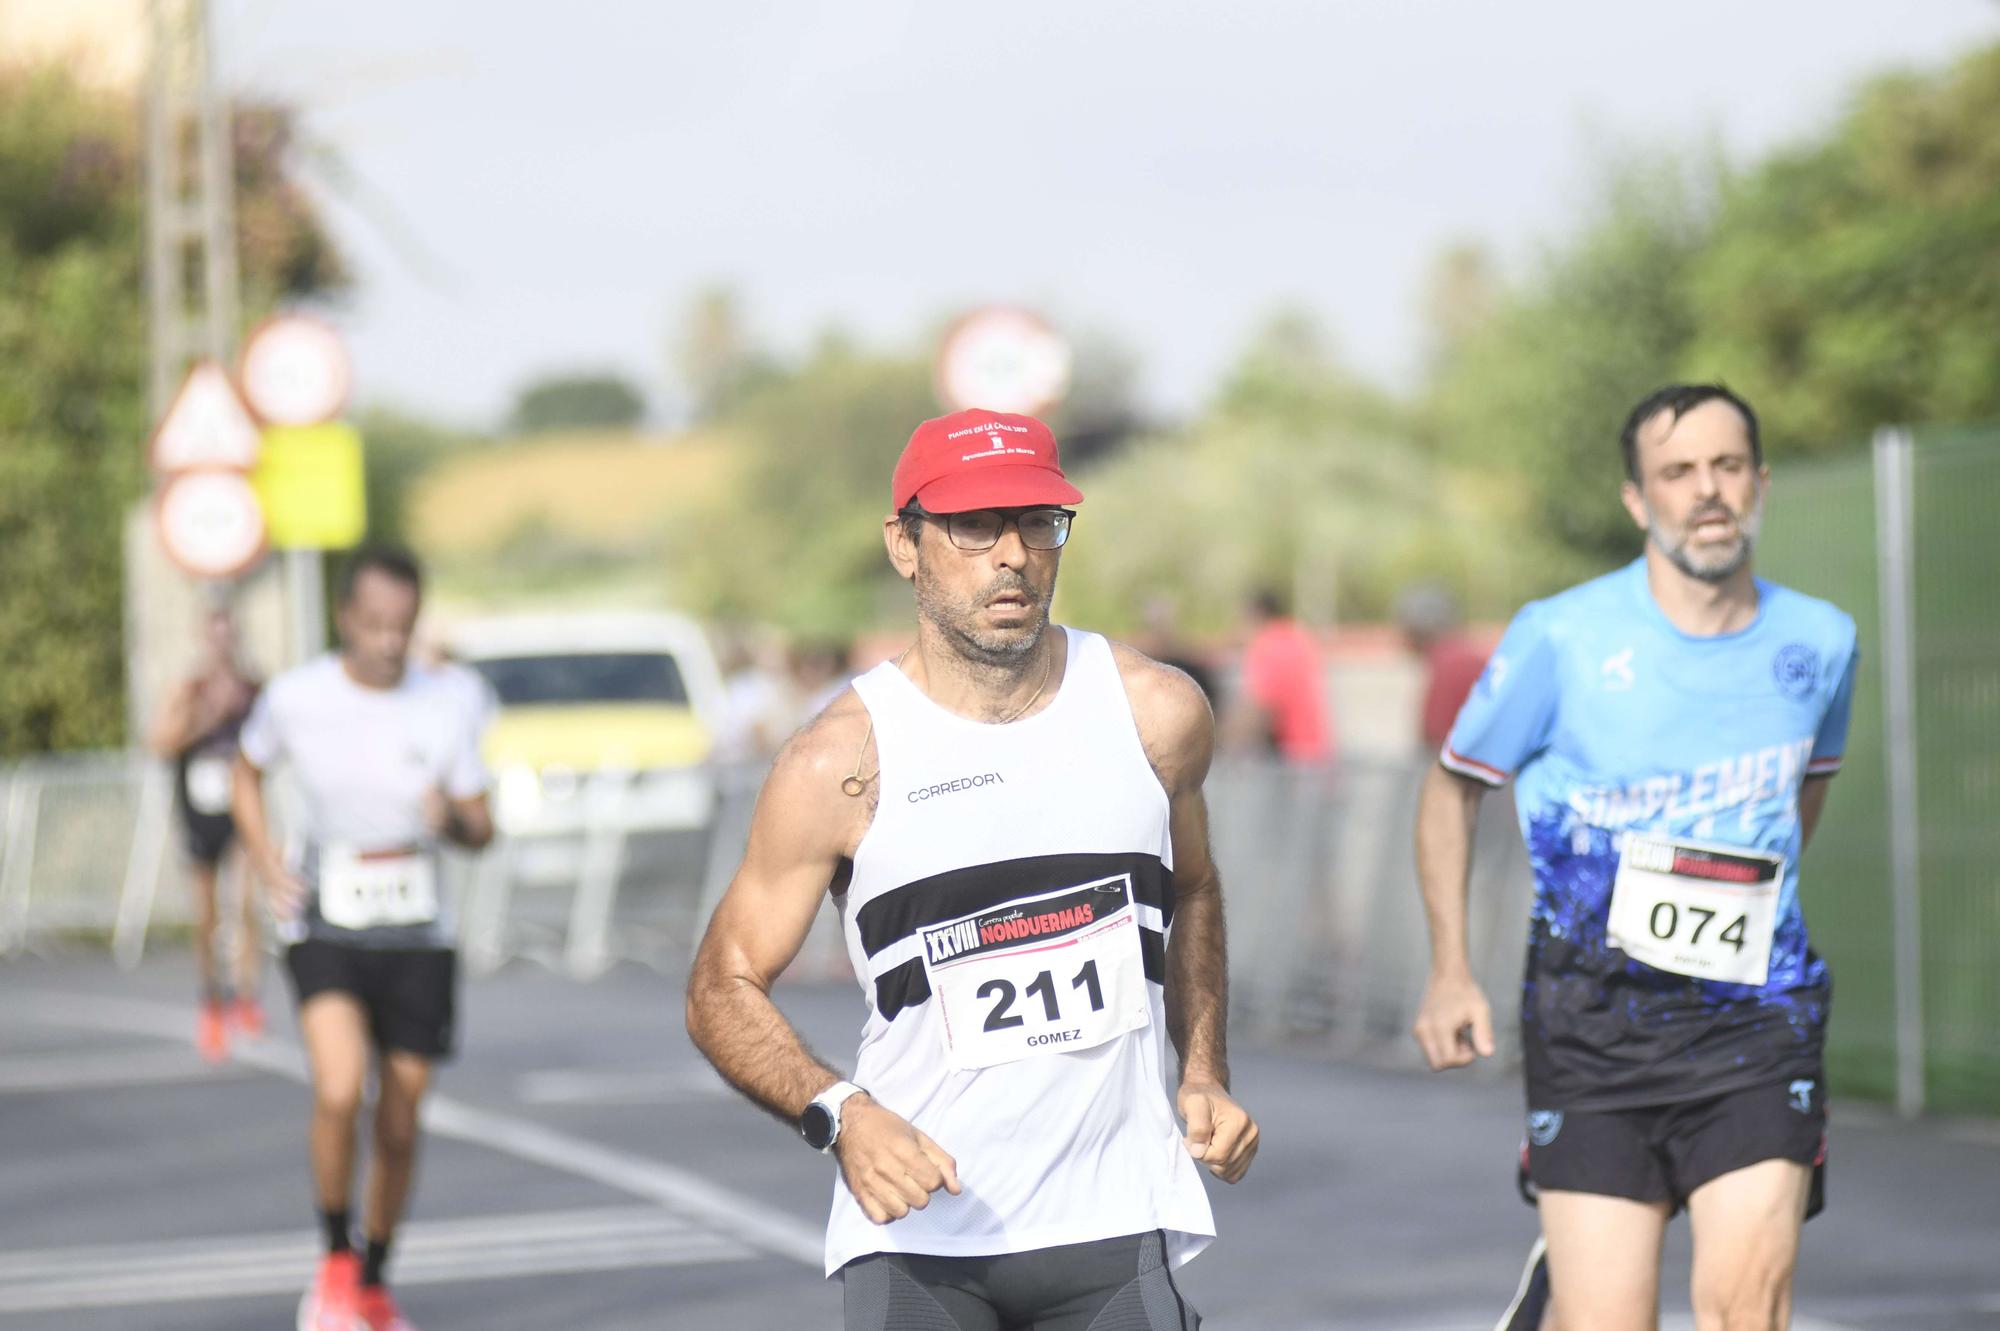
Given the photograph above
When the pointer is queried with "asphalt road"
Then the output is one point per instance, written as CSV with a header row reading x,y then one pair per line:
x,y
585,1170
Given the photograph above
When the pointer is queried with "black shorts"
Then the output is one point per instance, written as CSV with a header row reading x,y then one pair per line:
x,y
1663,1153
410,996
1124,1283
207,835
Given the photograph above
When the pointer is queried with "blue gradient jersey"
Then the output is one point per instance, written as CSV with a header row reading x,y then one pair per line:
x,y
1667,767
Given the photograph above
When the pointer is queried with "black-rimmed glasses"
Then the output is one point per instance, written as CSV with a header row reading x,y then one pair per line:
x,y
981,528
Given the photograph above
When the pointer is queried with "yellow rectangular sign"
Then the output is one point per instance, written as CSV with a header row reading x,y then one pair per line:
x,y
309,480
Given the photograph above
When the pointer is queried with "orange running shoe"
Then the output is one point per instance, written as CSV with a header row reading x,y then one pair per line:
x,y
247,1015
334,1301
211,1032
379,1311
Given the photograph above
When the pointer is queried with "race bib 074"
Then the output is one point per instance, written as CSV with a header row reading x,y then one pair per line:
x,y
1046,974
372,891
1705,911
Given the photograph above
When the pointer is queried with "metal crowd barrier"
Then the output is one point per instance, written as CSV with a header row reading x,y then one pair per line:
x,y
1327,942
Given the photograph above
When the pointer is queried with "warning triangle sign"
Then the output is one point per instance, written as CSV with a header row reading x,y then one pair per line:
x,y
206,426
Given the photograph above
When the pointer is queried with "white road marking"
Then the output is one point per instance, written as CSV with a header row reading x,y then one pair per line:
x,y
428,1253
30,1073
722,1209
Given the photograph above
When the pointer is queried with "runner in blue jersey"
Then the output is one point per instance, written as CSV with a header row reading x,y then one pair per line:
x,y
1668,727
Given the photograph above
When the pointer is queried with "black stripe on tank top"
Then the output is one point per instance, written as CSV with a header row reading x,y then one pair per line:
x,y
901,911
896,914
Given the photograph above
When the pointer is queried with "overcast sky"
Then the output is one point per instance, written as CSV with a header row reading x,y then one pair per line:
x,y
541,186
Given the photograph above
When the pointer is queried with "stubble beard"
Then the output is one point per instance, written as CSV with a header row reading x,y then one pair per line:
x,y
958,621
1719,566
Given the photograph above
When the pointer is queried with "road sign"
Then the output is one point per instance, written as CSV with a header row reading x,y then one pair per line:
x,y
310,485
205,426
295,371
210,523
1002,359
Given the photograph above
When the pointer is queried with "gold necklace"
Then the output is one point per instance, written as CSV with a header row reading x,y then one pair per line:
x,y
854,783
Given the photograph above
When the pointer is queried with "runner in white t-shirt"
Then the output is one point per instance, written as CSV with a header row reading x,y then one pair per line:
x,y
385,757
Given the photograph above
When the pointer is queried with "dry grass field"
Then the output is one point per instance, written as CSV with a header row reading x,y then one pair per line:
x,y
612,491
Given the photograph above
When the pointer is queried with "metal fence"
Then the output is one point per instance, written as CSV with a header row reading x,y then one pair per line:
x,y
1326,932
1899,887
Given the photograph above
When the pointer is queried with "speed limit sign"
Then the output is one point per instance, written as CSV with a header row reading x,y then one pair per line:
x,y
295,371
210,523
1002,359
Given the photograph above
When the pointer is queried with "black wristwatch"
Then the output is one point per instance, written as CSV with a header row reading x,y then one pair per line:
x,y
820,1123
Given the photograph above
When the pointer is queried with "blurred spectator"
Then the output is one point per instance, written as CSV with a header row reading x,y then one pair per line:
x,y
1282,708
820,673
196,730
756,713
1429,616
1160,638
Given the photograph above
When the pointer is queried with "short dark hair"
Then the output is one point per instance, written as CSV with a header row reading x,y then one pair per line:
x,y
1269,602
391,560
912,516
1680,399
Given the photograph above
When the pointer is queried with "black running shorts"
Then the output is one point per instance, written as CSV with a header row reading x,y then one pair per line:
x,y
1664,1153
207,835
409,996
1121,1284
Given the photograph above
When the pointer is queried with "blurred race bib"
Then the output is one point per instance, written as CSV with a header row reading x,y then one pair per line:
x,y
375,890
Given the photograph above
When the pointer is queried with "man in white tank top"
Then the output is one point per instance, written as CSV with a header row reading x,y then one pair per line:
x,y
1010,819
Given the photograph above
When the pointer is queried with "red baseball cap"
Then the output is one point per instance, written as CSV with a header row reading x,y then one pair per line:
x,y
980,459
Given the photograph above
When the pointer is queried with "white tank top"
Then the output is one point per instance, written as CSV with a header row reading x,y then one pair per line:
x,y
1008,917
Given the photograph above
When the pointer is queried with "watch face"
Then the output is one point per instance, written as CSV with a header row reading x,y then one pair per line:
x,y
816,1125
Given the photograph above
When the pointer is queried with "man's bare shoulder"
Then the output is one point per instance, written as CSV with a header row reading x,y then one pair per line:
x,y
828,742
805,779
1165,690
1175,723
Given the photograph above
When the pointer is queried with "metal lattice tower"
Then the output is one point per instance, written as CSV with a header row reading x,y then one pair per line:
x,y
190,201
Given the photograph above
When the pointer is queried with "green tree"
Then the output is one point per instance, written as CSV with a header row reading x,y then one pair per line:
x,y
1845,282
1299,475
1538,389
801,544
577,402
72,410
1856,280
715,357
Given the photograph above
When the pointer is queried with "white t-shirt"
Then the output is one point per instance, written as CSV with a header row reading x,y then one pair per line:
x,y
363,760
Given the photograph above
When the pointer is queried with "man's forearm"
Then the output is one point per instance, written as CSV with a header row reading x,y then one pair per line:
x,y
246,809
1447,813
1198,985
740,1030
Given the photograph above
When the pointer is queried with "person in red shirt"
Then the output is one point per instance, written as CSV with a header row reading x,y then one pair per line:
x,y
1284,686
1453,662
